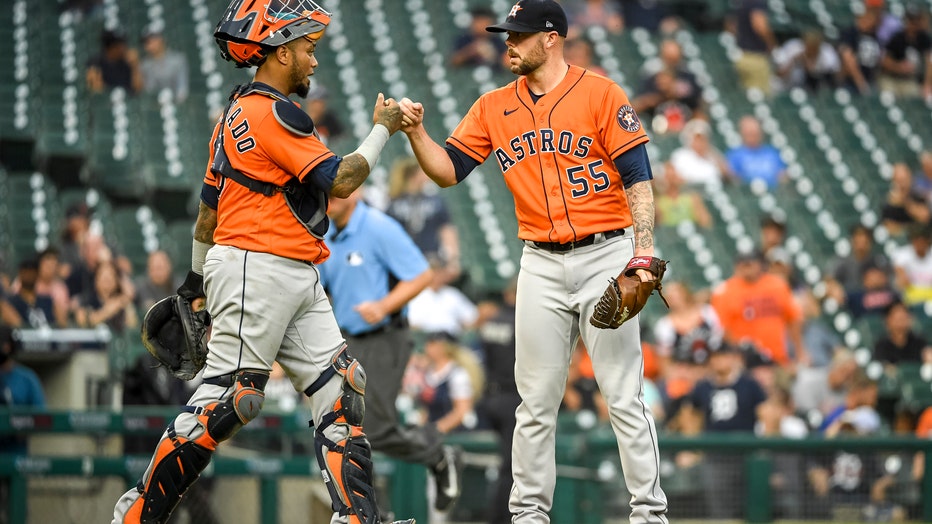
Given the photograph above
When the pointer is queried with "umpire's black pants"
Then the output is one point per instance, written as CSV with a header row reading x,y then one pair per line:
x,y
499,408
384,355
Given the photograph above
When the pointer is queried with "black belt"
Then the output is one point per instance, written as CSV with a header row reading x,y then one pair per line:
x,y
556,247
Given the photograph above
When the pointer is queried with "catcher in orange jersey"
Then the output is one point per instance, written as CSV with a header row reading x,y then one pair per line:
x,y
258,238
571,150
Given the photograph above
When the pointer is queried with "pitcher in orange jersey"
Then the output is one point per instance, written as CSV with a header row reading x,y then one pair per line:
x,y
571,150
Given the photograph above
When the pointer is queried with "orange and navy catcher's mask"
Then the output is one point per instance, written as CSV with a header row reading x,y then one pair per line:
x,y
249,29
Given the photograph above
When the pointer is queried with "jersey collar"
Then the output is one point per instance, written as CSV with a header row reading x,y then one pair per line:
x,y
573,74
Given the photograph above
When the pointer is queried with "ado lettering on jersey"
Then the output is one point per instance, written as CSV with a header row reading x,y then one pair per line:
x,y
557,156
259,146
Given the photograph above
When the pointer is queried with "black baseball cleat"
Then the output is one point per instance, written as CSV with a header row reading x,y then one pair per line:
x,y
447,478
409,521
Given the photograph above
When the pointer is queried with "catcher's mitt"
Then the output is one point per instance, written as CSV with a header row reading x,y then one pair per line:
x,y
627,294
176,336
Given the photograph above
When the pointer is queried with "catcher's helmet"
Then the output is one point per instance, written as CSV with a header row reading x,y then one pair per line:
x,y
250,28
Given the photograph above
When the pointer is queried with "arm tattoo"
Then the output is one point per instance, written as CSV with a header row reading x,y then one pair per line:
x,y
206,224
641,201
351,174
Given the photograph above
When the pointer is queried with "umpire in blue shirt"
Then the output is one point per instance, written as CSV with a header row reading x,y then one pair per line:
x,y
373,271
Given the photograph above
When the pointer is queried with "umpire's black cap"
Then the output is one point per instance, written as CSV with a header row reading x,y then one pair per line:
x,y
533,16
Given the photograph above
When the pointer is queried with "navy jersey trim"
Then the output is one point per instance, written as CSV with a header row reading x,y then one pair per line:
x,y
463,164
634,166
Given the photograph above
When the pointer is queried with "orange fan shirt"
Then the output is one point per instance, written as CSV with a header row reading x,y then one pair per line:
x,y
257,145
557,156
760,311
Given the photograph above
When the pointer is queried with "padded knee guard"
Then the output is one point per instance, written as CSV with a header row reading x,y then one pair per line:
x,y
179,460
347,465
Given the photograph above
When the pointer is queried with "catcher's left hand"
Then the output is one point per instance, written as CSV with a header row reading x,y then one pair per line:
x,y
626,295
176,335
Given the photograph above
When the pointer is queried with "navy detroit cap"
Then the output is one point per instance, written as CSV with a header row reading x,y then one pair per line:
x,y
533,16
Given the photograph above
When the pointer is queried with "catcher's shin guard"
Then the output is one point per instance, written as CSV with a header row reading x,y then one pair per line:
x,y
179,459
347,465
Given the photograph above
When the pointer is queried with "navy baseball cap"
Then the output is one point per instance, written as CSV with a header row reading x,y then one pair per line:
x,y
533,16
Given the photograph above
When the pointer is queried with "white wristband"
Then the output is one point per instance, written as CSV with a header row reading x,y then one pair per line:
x,y
371,147
198,255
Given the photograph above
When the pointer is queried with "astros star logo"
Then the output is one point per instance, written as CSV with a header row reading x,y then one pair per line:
x,y
628,119
514,11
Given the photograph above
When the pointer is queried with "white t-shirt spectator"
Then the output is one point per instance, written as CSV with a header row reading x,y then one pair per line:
x,y
918,272
827,64
696,170
445,309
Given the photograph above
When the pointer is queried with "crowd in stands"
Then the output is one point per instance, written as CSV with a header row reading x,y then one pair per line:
x,y
751,355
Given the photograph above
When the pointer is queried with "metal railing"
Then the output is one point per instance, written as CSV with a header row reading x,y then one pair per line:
x,y
578,498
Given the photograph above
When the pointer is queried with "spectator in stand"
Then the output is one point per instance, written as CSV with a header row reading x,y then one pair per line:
x,y
776,417
780,263
903,206
49,282
777,258
860,52
158,283
821,340
690,326
846,273
478,47
913,266
817,391
756,41
665,106
669,95
697,161
452,384
442,307
117,65
808,62
108,302
841,482
902,68
163,68
583,14
326,123
675,204
888,24
33,310
755,159
901,343
759,307
19,386
501,399
578,52
875,294
727,401
669,58
417,205
922,178
860,402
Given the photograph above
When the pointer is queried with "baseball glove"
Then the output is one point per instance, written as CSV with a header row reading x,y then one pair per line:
x,y
176,336
626,295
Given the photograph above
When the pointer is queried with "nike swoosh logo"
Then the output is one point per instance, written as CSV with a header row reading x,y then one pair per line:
x,y
507,112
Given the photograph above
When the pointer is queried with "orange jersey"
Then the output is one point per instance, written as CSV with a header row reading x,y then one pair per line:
x,y
760,311
257,145
557,156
